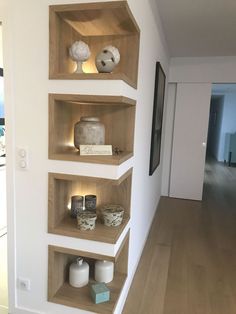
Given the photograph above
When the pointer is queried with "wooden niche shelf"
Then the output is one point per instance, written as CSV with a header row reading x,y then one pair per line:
x,y
117,113
63,186
60,291
98,25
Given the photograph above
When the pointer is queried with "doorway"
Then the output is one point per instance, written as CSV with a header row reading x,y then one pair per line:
x,y
3,207
220,170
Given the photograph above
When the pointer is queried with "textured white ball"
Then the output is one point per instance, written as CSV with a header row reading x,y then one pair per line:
x,y
115,52
105,62
79,51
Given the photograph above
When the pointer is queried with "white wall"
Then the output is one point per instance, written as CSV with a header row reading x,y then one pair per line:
x,y
3,213
27,87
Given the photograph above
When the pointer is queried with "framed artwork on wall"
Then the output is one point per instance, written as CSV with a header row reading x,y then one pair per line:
x,y
158,106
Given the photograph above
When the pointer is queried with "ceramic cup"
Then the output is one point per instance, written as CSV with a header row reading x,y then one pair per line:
x,y
90,202
112,215
76,205
86,220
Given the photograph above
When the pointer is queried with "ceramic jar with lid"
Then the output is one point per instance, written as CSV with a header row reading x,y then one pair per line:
x,y
89,131
104,271
79,273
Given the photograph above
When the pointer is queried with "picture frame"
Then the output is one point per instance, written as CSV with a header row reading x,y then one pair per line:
x,y
158,107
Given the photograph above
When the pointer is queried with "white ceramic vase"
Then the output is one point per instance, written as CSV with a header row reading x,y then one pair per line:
x,y
79,273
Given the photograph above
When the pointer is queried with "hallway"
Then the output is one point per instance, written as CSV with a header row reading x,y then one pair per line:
x,y
189,262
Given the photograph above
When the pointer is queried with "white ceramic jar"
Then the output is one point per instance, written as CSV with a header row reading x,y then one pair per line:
x,y
104,271
89,131
79,273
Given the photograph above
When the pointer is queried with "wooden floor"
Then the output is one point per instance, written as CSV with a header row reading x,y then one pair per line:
x,y
189,262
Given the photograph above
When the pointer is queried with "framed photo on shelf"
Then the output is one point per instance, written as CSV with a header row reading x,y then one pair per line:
x,y
158,106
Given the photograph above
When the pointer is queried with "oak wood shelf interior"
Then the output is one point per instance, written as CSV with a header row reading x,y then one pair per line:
x,y
97,24
63,186
59,290
116,112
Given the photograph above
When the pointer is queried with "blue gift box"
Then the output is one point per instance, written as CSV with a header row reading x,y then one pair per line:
x,y
100,293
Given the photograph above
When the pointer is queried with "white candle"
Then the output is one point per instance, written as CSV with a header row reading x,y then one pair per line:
x,y
104,271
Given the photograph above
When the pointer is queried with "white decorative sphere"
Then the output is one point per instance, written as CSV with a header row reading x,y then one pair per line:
x,y
79,51
115,52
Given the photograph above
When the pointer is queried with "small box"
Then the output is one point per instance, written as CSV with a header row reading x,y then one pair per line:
x,y
99,293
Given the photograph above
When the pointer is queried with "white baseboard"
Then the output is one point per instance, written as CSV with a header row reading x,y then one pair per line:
x,y
21,310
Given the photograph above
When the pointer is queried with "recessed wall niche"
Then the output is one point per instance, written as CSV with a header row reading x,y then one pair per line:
x,y
59,290
98,25
117,113
63,186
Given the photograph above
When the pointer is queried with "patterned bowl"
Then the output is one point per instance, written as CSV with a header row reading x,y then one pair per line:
x,y
86,220
112,215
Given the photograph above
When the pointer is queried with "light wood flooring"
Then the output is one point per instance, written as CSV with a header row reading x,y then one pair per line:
x,y
188,265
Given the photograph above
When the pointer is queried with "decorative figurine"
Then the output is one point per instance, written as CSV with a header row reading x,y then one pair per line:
x,y
79,52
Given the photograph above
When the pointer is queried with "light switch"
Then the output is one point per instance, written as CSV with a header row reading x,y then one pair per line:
x,y
22,158
22,152
22,164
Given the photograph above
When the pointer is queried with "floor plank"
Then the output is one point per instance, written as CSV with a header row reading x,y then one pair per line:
x,y
188,265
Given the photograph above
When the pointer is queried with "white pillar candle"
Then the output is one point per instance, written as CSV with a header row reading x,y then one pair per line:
x,y
104,271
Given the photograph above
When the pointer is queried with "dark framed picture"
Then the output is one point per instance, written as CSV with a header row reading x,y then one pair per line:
x,y
158,106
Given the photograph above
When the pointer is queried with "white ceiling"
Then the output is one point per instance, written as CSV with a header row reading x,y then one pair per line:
x,y
197,28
